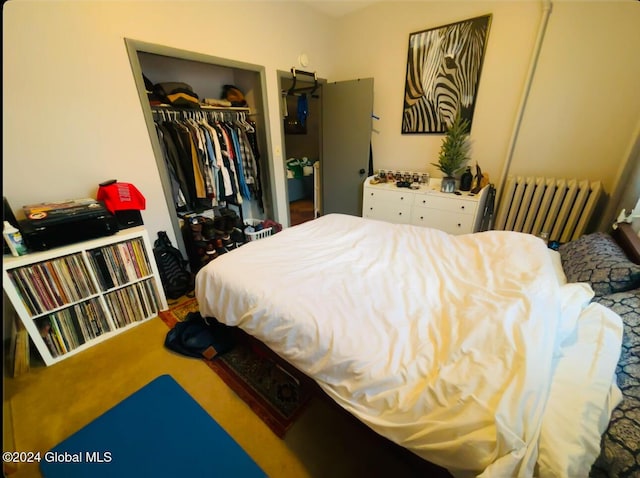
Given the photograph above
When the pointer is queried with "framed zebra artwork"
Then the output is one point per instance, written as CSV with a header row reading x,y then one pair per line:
x,y
443,73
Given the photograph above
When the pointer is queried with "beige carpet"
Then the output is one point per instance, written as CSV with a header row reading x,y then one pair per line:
x,y
48,404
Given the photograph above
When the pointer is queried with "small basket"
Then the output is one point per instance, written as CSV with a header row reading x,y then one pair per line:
x,y
254,236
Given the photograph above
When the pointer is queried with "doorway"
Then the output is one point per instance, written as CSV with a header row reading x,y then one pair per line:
x,y
301,111
332,146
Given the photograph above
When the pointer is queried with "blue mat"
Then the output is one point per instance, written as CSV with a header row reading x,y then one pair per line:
x,y
158,431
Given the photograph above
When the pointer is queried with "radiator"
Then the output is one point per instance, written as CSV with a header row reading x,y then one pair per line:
x,y
560,207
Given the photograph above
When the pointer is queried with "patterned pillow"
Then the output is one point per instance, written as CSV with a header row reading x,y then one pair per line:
x,y
620,450
599,261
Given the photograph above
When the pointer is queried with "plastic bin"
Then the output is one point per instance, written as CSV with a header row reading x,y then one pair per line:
x,y
254,236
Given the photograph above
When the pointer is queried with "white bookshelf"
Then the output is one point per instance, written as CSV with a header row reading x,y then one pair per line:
x,y
71,298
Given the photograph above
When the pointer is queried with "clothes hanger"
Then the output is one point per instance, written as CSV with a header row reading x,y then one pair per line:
x,y
241,120
248,126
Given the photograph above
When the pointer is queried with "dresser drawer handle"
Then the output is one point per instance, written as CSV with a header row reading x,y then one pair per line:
x,y
399,214
461,207
459,225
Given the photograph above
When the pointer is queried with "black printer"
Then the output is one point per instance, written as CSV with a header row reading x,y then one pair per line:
x,y
49,225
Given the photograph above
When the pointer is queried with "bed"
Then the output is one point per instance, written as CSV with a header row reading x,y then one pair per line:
x,y
609,264
477,353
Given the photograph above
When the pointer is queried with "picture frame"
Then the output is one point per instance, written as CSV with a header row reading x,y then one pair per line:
x,y
443,74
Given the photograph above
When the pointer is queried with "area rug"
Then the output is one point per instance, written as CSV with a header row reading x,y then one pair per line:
x,y
275,393
129,439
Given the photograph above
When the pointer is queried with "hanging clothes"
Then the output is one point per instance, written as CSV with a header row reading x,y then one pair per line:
x,y
210,157
176,175
253,143
238,160
303,109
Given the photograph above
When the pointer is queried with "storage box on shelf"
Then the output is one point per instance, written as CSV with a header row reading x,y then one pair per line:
x,y
73,297
427,206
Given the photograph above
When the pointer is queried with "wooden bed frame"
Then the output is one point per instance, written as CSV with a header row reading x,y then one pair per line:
x,y
628,239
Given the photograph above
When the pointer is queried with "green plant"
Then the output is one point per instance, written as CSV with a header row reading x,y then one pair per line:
x,y
454,152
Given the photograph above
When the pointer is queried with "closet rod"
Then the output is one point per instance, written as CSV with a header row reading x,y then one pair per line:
x,y
202,108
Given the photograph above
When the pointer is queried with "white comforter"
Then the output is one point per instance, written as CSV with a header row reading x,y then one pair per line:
x,y
470,351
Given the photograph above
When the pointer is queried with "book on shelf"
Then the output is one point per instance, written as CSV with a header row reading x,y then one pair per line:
x,y
25,290
61,330
101,317
74,276
79,321
49,335
141,257
45,332
75,323
136,263
49,282
127,262
100,263
87,287
114,266
57,335
61,283
140,313
150,288
95,315
108,298
143,299
61,317
42,296
68,279
126,308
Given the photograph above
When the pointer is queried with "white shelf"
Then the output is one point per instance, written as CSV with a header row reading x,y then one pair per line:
x,y
70,289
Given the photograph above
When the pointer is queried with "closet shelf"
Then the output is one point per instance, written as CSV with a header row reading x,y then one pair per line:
x,y
202,108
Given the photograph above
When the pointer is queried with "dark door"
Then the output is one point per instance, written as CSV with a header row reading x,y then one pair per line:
x,y
347,109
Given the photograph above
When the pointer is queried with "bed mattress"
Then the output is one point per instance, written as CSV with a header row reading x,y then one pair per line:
x,y
463,349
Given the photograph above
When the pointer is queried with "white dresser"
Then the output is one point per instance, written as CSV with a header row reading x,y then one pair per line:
x,y
427,206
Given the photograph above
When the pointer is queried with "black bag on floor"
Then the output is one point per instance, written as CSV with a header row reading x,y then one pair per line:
x,y
176,279
200,337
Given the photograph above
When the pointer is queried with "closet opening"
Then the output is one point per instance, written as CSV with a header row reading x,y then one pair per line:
x,y
190,139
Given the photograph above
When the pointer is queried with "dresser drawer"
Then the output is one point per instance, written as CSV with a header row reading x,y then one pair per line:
x,y
387,205
385,196
446,203
398,213
451,222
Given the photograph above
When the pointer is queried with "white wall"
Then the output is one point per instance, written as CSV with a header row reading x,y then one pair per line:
x,y
584,104
584,109
376,40
72,117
